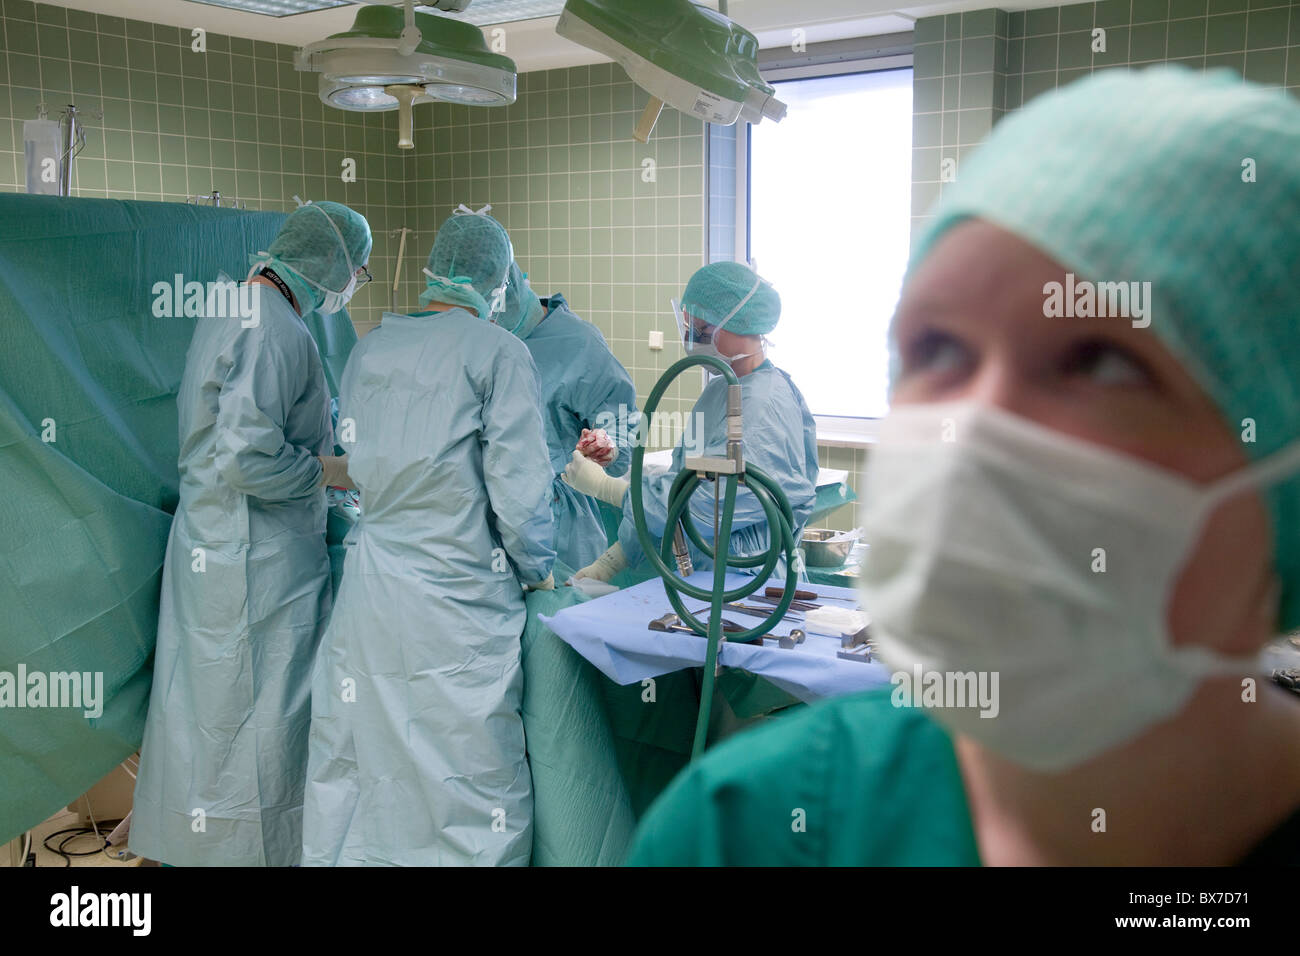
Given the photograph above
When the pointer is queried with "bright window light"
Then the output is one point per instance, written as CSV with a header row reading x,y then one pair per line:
x,y
276,8
830,222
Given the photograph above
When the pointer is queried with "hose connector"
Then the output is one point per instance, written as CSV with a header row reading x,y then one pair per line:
x,y
682,553
735,428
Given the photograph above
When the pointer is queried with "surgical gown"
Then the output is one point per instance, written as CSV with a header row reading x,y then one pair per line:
x,y
849,782
856,781
417,744
245,593
780,437
583,386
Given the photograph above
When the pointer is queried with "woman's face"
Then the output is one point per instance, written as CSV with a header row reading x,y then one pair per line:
x,y
970,326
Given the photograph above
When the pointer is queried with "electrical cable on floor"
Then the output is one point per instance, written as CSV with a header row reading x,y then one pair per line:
x,y
73,833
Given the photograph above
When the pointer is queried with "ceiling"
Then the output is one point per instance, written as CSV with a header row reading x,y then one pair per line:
x,y
534,45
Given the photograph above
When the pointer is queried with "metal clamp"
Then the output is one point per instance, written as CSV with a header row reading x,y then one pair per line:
x,y
214,198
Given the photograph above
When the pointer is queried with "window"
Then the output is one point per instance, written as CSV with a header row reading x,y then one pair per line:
x,y
829,226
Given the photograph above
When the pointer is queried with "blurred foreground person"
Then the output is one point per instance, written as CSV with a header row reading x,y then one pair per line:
x,y
1083,516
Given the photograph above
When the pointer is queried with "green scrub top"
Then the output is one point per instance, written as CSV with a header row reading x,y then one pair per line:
x,y
849,782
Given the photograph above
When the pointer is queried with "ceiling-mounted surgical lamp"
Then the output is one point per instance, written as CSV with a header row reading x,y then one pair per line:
x,y
684,55
394,58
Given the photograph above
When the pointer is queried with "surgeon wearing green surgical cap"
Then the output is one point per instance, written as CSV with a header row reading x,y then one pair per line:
x,y
1083,516
588,402
725,311
468,265
427,765
246,581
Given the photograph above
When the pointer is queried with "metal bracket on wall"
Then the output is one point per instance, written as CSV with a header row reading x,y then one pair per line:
x,y
215,198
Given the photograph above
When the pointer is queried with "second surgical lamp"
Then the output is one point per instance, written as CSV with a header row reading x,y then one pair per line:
x,y
684,55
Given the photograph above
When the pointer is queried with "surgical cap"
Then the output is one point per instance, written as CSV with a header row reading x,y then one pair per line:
x,y
1187,180
523,311
471,251
733,294
307,245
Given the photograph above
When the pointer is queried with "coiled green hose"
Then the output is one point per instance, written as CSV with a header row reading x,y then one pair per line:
x,y
780,523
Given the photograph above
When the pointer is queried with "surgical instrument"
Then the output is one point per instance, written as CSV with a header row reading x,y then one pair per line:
x,y
798,594
856,645
861,653
797,605
787,641
751,610
856,638
671,622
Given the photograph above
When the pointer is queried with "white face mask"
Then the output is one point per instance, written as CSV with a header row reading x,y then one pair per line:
x,y
988,535
337,301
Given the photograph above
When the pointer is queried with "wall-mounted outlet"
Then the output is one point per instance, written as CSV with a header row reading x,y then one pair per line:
x,y
656,340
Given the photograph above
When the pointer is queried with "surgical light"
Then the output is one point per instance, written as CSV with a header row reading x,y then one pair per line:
x,y
373,79
684,55
395,58
362,98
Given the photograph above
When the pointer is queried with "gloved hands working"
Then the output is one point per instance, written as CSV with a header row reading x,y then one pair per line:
x,y
606,566
586,476
334,471
596,444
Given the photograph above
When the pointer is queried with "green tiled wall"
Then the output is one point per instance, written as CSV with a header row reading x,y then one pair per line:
x,y
177,124
959,71
959,94
559,167
1260,39
562,172
852,460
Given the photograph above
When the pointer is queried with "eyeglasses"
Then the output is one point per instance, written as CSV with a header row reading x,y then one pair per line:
x,y
363,276
700,332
